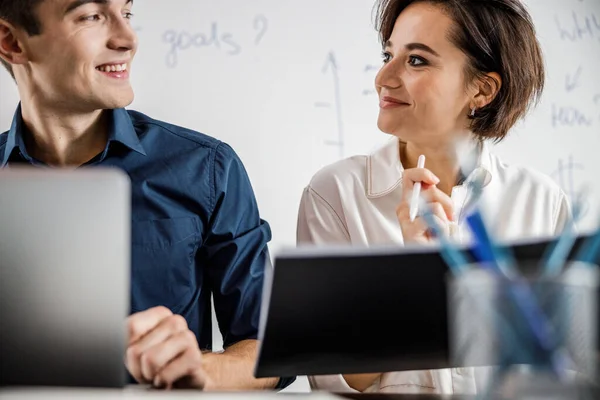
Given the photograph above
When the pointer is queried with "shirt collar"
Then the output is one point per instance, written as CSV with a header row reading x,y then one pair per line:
x,y
121,130
15,138
384,168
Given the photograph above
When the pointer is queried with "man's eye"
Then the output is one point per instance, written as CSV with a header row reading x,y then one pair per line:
x,y
91,18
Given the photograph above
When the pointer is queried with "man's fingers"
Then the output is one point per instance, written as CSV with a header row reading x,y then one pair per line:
x,y
141,323
167,327
158,357
132,361
185,370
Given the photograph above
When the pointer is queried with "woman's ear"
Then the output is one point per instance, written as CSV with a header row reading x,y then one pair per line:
x,y
488,87
11,48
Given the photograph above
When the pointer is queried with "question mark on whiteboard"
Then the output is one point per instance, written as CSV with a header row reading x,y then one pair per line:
x,y
260,25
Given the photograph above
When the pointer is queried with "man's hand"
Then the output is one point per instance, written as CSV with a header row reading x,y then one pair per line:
x,y
162,351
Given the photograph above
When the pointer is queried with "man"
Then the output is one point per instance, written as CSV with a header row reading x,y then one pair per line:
x,y
195,223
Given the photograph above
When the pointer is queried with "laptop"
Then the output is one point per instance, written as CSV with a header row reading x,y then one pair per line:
x,y
64,276
347,310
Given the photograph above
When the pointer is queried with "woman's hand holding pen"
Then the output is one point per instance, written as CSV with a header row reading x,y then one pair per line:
x,y
417,230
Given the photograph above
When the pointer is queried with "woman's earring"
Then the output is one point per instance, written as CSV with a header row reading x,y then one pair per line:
x,y
472,112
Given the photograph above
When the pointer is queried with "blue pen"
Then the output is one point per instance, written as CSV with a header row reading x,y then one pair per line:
x,y
590,249
500,261
458,262
488,254
455,259
557,255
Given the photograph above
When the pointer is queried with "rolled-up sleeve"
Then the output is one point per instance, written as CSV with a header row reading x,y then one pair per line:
x,y
236,252
235,249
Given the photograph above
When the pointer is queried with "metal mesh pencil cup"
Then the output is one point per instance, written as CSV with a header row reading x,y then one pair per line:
x,y
535,337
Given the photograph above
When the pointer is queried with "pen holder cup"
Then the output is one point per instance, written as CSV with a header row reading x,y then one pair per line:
x,y
529,334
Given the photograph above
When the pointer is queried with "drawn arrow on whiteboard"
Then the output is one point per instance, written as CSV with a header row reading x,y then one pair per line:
x,y
331,64
572,82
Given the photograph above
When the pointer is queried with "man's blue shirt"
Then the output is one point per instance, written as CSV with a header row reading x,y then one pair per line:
x,y
196,228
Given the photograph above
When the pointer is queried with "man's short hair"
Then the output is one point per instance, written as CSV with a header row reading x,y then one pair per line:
x,y
20,13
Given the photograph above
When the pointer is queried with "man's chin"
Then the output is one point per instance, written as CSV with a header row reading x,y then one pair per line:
x,y
118,101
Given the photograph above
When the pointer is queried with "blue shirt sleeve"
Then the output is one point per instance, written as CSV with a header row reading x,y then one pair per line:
x,y
236,252
235,249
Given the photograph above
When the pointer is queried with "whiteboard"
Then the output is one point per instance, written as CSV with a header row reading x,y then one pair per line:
x,y
289,85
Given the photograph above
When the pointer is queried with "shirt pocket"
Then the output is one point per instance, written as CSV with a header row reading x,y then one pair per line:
x,y
163,267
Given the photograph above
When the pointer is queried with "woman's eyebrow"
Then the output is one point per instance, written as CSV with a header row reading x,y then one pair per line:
x,y
414,46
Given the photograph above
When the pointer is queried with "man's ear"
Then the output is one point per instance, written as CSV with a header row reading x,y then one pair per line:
x,y
488,87
11,48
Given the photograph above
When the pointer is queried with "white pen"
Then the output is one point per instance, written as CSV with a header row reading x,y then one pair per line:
x,y
414,201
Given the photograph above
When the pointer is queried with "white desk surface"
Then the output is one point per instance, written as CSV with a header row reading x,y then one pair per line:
x,y
142,393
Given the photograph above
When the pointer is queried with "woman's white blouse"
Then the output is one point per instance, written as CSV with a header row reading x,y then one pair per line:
x,y
354,202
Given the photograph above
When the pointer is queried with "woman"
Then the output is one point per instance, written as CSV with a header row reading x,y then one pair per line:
x,y
453,70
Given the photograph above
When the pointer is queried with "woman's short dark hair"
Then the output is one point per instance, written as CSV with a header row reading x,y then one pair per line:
x,y
497,36
20,13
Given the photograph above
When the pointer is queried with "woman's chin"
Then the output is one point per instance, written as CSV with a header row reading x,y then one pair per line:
x,y
392,129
